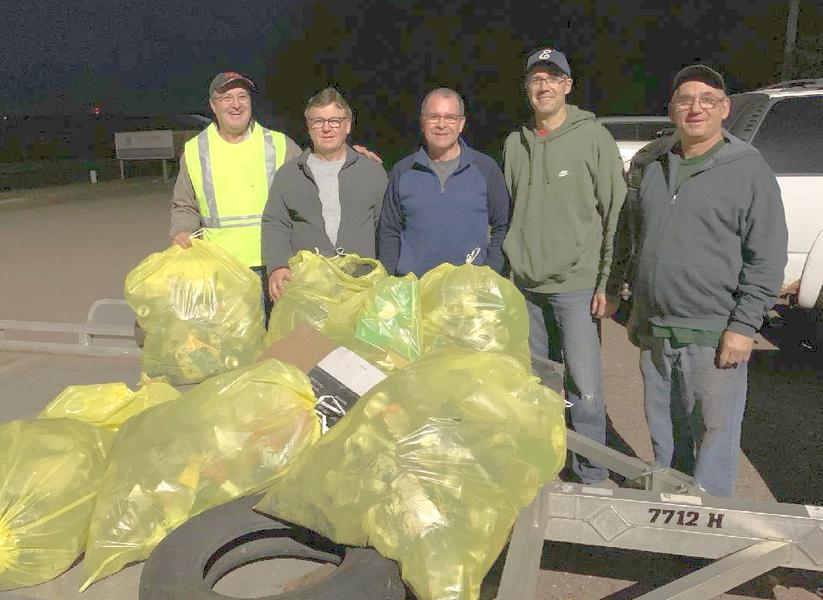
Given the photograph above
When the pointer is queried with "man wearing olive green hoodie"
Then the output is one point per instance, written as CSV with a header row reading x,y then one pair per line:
x,y
565,177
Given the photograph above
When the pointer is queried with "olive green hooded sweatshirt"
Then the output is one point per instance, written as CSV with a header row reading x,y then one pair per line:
x,y
567,190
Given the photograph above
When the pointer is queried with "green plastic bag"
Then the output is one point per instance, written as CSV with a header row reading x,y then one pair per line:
x,y
50,470
107,405
200,309
227,437
381,324
473,307
319,285
431,467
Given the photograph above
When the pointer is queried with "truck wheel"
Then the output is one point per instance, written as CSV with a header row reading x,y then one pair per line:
x,y
189,561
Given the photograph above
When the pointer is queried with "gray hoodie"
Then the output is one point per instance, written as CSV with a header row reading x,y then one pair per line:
x,y
712,255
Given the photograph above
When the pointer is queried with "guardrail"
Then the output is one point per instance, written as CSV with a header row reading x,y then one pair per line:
x,y
109,331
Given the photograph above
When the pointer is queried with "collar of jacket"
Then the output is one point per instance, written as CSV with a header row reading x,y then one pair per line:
x,y
735,148
421,157
302,161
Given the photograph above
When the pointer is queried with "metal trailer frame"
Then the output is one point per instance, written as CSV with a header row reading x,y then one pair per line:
x,y
669,515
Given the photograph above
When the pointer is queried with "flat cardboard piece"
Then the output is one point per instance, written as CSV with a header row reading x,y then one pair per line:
x,y
339,377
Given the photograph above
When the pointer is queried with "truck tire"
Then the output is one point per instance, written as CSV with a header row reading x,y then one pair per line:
x,y
190,560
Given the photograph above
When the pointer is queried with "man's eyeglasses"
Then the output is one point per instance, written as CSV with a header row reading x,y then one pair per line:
x,y
706,101
227,99
433,119
334,122
537,82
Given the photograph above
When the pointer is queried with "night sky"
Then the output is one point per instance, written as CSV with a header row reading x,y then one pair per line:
x,y
151,57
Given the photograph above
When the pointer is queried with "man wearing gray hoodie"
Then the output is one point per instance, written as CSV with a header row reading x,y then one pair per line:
x,y
708,253
565,177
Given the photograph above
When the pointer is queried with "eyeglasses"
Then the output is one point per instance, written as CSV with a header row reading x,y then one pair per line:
x,y
433,118
537,82
334,122
706,102
227,99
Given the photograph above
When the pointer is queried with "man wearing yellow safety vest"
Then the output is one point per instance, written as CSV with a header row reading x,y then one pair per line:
x,y
225,174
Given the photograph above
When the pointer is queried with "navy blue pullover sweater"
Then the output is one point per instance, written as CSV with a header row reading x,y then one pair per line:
x,y
424,224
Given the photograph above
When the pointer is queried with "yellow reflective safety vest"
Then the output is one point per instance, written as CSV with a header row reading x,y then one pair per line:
x,y
231,183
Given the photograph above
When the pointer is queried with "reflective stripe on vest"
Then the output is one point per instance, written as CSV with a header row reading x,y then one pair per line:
x,y
232,191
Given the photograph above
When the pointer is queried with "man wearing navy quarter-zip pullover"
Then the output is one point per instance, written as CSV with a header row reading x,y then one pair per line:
x,y
444,200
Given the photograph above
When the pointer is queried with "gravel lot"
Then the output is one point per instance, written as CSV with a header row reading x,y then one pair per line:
x,y
64,247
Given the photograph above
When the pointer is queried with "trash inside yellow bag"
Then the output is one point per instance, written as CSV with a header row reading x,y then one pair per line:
x,y
318,286
225,438
200,309
431,467
473,307
107,405
49,474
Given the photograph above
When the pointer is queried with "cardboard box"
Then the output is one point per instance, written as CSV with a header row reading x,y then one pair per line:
x,y
339,377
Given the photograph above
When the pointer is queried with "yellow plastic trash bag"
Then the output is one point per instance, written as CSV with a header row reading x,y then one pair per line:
x,y
107,405
200,309
225,438
319,285
381,324
49,474
431,467
474,307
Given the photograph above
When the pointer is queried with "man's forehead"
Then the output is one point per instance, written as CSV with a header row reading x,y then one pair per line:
x,y
545,68
332,107
232,85
442,98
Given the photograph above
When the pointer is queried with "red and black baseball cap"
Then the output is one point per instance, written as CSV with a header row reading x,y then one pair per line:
x,y
223,79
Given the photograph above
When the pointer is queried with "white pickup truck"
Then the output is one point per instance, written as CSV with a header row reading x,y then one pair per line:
x,y
784,122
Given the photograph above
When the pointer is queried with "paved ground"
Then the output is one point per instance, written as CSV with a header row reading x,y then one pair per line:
x,y
64,247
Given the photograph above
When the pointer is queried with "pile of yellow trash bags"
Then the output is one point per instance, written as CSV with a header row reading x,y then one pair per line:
x,y
431,466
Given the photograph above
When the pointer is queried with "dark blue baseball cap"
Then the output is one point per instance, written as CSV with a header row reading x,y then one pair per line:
x,y
548,56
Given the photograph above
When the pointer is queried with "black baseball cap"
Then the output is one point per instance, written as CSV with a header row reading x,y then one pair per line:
x,y
227,77
549,56
699,73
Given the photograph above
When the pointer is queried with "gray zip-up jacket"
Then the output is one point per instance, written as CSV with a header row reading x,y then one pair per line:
x,y
712,255
293,217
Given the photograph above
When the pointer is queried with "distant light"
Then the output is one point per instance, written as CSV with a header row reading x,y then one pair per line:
x,y
97,111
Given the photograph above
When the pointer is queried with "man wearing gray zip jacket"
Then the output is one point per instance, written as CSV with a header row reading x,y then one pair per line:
x,y
328,198
709,249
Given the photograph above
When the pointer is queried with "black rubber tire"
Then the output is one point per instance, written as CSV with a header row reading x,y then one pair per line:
x,y
190,560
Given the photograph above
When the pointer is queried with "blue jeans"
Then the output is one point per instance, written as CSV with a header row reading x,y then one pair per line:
x,y
694,411
562,329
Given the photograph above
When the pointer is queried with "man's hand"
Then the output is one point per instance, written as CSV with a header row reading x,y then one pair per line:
x,y
277,282
182,239
367,153
602,306
733,349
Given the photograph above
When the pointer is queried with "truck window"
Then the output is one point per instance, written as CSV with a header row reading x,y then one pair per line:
x,y
790,135
652,130
624,132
